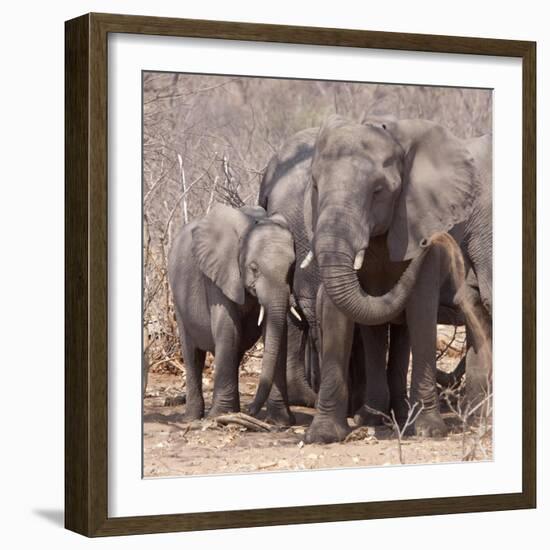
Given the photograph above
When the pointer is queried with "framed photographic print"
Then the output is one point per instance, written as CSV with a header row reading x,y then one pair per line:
x,y
300,275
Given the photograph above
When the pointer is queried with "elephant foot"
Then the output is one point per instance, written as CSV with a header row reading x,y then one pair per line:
x,y
279,415
326,429
365,417
176,400
193,413
430,424
218,409
301,395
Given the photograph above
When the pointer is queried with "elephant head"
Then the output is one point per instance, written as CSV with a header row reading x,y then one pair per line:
x,y
407,180
246,252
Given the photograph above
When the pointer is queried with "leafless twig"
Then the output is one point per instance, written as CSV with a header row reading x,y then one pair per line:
x,y
182,172
400,431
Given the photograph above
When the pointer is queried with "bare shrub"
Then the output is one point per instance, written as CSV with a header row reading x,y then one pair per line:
x,y
476,420
400,430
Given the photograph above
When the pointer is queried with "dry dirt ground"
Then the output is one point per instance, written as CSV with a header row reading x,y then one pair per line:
x,y
174,448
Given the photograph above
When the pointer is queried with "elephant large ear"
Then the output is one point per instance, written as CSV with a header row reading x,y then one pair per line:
x,y
439,186
216,248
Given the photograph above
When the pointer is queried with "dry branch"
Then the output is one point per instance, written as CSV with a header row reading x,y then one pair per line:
x,y
245,420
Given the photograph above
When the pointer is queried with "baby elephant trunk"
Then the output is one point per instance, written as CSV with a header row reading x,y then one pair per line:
x,y
274,356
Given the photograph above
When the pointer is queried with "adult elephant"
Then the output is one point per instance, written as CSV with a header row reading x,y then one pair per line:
x,y
225,271
377,196
282,190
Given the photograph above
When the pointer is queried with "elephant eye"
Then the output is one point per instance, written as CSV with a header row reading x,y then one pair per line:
x,y
254,267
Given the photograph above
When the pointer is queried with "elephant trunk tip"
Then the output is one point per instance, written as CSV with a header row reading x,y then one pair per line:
x,y
262,393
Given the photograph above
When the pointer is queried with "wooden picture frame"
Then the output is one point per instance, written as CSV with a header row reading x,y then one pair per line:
x,y
86,281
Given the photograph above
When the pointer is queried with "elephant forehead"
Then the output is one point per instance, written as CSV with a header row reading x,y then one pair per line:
x,y
355,139
271,237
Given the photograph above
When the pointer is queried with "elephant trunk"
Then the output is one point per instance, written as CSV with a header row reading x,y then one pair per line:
x,y
274,338
336,261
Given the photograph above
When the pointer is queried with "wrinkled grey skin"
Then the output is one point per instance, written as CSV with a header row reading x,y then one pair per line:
x,y
477,243
385,189
282,190
221,269
477,247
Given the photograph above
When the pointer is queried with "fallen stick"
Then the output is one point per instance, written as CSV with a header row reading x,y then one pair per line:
x,y
245,420
360,433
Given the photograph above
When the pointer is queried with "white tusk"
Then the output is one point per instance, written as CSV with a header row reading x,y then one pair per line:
x,y
295,313
359,258
307,260
261,316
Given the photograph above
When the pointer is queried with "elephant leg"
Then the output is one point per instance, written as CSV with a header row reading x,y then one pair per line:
x,y
398,367
228,355
421,314
478,374
357,382
299,391
278,411
479,353
330,423
377,396
194,364
226,382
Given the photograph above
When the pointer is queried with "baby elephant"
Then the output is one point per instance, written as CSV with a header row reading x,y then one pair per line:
x,y
227,272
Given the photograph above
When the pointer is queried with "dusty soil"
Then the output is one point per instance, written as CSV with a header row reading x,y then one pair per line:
x,y
173,447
